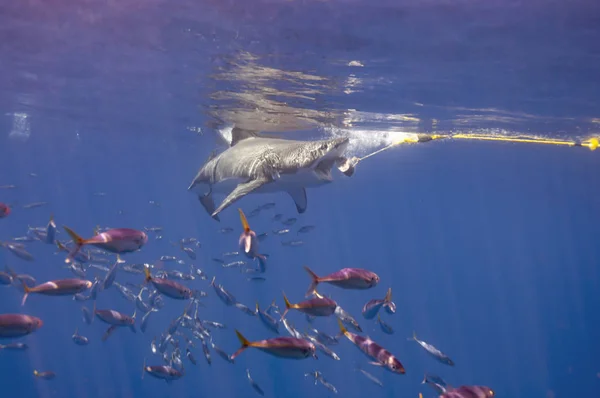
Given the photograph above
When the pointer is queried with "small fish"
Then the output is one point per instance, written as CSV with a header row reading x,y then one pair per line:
x,y
18,325
380,356
47,375
267,206
346,278
190,356
213,324
223,294
34,205
190,252
235,264
437,354
347,319
99,193
435,382
4,210
18,250
5,278
144,322
306,229
111,275
282,347
50,231
255,386
289,222
320,379
14,346
384,326
25,239
277,217
79,339
372,307
168,287
8,186
87,315
267,320
77,269
281,232
325,338
370,377
390,307
256,279
115,319
18,280
231,254
245,309
116,240
318,306
222,353
226,230
163,372
469,392
254,212
206,351
323,348
291,330
292,243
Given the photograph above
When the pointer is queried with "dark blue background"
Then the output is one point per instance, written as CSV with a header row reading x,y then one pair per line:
x,y
492,249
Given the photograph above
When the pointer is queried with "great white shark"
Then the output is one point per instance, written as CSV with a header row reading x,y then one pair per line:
x,y
256,163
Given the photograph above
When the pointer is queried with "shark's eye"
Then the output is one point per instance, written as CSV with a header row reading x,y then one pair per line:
x,y
323,147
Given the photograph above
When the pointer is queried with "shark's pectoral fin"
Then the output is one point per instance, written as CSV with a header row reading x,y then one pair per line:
x,y
240,191
300,199
209,205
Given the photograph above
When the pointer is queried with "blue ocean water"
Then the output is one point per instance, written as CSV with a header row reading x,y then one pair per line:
x,y
491,248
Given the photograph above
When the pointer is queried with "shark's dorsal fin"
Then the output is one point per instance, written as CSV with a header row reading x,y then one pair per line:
x,y
238,134
211,156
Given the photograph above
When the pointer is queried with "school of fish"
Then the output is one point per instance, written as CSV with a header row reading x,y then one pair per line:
x,y
176,344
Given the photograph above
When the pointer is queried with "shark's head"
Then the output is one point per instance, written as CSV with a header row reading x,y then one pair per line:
x,y
334,148
328,149
326,153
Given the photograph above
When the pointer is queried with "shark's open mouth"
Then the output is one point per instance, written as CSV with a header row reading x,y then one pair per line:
x,y
323,169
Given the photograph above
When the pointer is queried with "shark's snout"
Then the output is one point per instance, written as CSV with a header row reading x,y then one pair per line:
x,y
341,143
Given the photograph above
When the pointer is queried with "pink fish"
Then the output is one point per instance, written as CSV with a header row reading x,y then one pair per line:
x,y
249,242
380,356
18,325
4,210
60,287
282,347
346,278
117,240
372,307
318,306
468,392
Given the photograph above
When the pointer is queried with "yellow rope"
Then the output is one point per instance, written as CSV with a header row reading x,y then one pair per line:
x,y
591,143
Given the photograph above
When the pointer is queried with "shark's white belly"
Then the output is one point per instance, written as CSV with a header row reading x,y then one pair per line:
x,y
303,178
